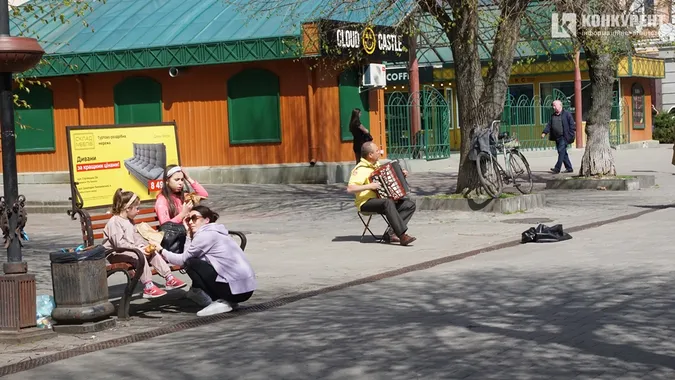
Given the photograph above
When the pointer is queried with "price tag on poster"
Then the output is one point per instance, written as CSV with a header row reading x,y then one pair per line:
x,y
155,185
132,157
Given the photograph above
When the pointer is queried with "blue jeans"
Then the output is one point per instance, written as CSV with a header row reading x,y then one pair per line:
x,y
563,157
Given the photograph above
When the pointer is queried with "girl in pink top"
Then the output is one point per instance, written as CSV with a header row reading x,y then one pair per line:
x,y
170,205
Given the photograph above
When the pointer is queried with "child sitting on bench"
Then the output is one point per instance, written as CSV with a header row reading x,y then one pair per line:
x,y
119,232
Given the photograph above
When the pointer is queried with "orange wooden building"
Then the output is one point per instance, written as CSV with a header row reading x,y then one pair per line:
x,y
241,90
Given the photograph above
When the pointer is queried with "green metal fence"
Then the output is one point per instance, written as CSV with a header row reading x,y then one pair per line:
x,y
618,134
523,117
526,118
397,126
432,142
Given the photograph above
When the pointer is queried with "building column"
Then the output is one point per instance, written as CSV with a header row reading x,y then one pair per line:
x,y
577,101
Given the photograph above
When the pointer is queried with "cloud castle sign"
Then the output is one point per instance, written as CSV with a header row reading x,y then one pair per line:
x,y
373,42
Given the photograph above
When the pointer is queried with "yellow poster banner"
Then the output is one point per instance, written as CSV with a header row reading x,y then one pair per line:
x,y
133,157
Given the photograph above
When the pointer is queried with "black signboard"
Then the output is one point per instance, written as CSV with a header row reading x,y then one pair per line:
x,y
371,42
401,75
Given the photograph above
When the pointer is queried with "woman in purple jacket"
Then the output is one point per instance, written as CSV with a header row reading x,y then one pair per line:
x,y
221,275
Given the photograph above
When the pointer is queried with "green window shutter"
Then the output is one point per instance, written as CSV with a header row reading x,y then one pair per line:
x,y
35,125
350,98
254,114
138,100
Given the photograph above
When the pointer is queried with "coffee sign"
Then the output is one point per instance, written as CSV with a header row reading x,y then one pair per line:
x,y
377,43
400,75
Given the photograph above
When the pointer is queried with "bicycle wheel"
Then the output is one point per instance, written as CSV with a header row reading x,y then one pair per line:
x,y
489,174
520,169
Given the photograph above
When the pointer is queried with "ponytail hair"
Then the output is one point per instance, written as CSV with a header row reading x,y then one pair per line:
x,y
123,200
206,213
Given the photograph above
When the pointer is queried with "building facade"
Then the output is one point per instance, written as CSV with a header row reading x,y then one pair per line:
x,y
244,90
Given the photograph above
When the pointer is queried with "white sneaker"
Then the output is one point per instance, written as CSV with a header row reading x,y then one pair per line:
x,y
216,307
199,297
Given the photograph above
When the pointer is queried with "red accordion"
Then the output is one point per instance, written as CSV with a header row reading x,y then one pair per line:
x,y
394,184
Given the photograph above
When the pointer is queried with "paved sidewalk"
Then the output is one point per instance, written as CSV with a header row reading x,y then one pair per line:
x,y
595,307
304,237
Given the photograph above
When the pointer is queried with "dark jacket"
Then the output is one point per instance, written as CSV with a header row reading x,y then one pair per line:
x,y
360,138
569,127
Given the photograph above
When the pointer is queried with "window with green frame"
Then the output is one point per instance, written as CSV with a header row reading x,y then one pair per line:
x,y
35,124
350,98
138,100
253,110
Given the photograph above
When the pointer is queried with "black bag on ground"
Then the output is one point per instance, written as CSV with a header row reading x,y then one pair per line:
x,y
545,234
174,236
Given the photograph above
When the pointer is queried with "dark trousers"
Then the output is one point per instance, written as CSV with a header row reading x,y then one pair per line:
x,y
563,157
203,277
357,155
398,213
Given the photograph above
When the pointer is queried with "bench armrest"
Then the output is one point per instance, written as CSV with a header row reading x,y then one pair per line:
x,y
140,257
242,238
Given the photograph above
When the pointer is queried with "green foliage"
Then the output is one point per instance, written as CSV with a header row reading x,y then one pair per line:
x,y
23,15
664,128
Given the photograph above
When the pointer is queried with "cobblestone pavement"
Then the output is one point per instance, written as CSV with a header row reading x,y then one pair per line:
x,y
596,307
304,237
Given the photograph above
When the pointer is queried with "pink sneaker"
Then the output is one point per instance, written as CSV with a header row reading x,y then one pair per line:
x,y
174,283
153,292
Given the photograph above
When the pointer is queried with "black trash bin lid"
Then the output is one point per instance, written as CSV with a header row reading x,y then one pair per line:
x,y
89,254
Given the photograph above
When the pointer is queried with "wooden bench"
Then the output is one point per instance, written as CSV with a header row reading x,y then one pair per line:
x,y
92,231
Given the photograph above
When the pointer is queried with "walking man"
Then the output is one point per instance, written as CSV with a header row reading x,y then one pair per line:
x,y
562,130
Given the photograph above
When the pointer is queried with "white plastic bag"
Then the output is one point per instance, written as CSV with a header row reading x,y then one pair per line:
x,y
45,306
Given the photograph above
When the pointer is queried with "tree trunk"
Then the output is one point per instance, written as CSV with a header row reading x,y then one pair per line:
x,y
598,159
480,100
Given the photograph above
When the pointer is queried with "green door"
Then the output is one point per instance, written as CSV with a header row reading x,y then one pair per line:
x,y
138,100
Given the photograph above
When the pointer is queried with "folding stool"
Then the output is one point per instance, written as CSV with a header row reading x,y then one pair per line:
x,y
367,223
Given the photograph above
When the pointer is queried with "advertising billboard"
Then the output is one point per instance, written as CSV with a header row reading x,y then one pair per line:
x,y
104,158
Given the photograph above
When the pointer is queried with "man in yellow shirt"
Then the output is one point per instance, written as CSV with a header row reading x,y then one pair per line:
x,y
398,213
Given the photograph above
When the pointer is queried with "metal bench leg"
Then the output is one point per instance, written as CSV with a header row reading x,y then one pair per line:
x,y
123,311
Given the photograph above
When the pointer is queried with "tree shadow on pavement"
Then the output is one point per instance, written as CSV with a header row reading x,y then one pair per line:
x,y
570,322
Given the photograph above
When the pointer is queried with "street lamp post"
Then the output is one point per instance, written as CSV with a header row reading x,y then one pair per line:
x,y
17,286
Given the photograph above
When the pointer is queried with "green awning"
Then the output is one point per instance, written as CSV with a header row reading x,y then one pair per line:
x,y
122,35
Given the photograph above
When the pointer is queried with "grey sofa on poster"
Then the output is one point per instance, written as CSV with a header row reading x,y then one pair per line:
x,y
148,162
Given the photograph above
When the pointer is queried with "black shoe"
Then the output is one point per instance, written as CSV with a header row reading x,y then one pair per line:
x,y
390,238
554,171
569,170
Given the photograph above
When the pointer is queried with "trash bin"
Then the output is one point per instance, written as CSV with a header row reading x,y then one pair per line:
x,y
80,288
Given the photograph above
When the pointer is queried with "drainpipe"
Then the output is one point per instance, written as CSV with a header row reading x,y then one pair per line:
x,y
80,100
311,116
414,81
577,100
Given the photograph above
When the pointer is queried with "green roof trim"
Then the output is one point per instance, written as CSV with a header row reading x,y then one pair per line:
x,y
168,56
121,35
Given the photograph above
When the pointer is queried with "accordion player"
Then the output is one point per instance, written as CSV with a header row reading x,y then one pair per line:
x,y
392,180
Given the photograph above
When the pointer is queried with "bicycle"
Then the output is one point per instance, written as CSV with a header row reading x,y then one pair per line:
x,y
491,174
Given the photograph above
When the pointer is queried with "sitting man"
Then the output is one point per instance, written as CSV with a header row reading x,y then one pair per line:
x,y
398,213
